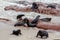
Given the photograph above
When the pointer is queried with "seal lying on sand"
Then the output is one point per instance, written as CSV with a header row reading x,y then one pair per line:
x,y
23,21
20,20
29,24
42,34
47,11
51,6
33,23
19,24
16,32
38,8
36,19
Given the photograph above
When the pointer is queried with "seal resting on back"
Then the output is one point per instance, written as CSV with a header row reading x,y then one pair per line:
x,y
29,24
47,25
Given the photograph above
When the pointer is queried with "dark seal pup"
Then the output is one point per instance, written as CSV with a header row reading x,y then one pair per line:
x,y
16,32
35,7
42,34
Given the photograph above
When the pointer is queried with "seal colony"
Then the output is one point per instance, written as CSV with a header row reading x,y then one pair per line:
x,y
38,7
43,23
41,8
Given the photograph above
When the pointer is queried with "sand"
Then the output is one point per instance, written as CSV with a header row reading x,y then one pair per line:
x,y
27,33
6,27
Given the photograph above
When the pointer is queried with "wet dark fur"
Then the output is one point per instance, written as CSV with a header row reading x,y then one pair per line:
x,y
46,19
16,32
19,24
34,5
20,16
51,6
35,20
29,23
42,34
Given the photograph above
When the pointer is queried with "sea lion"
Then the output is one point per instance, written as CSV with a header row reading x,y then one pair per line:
x,y
51,6
16,32
19,24
35,7
35,20
29,24
42,34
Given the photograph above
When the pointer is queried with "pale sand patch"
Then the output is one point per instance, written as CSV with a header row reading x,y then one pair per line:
x,y
27,33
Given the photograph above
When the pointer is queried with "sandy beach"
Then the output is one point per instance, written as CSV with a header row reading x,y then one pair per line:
x,y
6,27
27,33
